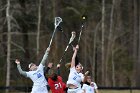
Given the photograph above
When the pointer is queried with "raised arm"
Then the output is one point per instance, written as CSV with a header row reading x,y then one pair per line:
x,y
58,69
19,68
85,77
43,61
74,55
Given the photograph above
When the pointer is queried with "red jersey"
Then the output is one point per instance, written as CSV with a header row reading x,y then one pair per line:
x,y
57,86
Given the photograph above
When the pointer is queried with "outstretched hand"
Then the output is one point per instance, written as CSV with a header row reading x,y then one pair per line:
x,y
17,61
50,65
58,65
76,48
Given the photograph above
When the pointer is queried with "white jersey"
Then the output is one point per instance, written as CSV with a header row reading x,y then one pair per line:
x,y
37,76
75,78
90,88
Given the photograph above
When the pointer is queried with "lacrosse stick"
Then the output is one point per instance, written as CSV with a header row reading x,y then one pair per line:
x,y
70,41
58,20
81,29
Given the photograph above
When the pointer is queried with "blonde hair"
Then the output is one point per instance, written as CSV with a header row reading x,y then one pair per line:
x,y
67,65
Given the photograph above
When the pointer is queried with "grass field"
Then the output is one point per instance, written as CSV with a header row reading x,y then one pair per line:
x,y
119,91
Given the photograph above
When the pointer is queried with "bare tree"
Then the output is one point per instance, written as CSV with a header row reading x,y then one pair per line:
x,y
113,64
110,42
139,39
94,65
8,44
137,74
135,38
103,43
38,27
4,28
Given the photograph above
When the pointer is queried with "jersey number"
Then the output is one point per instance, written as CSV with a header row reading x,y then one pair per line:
x,y
57,86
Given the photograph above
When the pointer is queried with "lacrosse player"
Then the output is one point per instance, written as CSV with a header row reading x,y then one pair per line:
x,y
75,76
89,86
36,74
55,82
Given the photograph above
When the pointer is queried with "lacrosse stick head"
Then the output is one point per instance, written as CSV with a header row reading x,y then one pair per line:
x,y
73,35
58,20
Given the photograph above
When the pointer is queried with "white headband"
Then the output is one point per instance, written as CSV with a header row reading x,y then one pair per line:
x,y
29,66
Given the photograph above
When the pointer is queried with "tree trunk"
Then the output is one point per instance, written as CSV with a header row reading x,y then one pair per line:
x,y
4,30
38,28
94,67
8,44
118,26
135,38
138,58
103,44
110,40
113,64
112,43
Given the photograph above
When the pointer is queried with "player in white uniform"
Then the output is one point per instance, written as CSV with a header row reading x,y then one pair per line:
x,y
75,75
36,74
89,86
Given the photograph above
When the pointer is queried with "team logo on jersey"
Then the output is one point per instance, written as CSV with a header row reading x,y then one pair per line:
x,y
39,75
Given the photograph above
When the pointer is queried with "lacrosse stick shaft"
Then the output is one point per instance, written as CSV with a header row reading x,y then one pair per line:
x,y
62,57
52,37
64,53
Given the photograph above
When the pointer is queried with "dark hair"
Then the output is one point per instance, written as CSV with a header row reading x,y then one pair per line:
x,y
87,83
54,77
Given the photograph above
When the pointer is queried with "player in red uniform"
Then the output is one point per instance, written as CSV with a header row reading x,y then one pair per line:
x,y
55,82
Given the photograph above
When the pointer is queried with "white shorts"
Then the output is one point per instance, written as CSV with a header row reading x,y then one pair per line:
x,y
77,90
39,89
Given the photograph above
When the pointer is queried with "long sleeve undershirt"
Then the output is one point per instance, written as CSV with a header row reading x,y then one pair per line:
x,y
21,71
43,61
58,71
